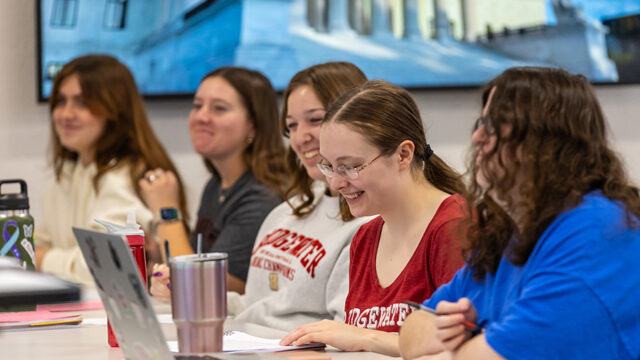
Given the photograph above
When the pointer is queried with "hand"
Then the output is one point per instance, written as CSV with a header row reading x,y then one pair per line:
x,y
160,189
337,334
41,251
449,328
160,283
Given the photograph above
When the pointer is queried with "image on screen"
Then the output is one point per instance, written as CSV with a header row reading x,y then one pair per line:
x,y
170,44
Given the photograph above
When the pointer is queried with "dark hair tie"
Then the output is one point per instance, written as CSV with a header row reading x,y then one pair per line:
x,y
427,152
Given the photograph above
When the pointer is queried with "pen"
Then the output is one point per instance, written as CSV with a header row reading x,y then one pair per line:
x,y
473,327
166,250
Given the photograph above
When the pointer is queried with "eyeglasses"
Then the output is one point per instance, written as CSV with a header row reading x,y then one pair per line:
x,y
484,121
351,172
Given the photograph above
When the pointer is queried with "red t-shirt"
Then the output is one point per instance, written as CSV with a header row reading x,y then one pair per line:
x,y
434,263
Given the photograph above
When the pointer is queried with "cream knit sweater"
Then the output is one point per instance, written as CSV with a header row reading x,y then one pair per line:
x,y
73,201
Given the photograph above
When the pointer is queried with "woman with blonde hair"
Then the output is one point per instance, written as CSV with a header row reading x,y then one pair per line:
x,y
233,125
102,144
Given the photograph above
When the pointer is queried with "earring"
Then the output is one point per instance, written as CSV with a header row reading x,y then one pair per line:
x,y
249,140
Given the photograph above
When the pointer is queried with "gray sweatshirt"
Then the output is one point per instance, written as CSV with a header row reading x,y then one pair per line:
x,y
299,270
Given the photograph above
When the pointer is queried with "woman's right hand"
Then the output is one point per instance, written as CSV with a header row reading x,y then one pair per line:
x,y
160,189
160,283
449,328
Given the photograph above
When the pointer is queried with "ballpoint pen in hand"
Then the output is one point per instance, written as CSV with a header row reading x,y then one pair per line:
x,y
473,327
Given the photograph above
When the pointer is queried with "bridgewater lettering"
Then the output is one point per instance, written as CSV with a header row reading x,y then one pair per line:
x,y
377,317
307,250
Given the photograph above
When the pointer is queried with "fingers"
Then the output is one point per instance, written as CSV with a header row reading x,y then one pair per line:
x,y
160,283
452,344
297,333
461,306
152,175
160,189
292,336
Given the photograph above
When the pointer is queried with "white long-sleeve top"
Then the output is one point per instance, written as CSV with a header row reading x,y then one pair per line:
x,y
299,271
73,201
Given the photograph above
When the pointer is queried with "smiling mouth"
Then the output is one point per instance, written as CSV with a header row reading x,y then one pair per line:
x,y
310,154
353,195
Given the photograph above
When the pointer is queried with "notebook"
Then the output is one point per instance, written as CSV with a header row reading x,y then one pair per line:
x,y
129,308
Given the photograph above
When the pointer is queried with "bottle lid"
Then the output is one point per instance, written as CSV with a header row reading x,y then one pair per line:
x,y
130,228
14,201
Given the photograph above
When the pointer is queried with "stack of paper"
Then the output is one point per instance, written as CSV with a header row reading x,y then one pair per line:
x,y
36,320
239,342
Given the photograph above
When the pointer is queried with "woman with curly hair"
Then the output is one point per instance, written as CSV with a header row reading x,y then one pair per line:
x,y
552,263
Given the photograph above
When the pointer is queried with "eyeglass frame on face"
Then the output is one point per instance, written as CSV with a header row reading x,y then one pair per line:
x,y
483,120
350,172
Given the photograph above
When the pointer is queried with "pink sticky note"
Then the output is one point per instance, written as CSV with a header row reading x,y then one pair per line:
x,y
30,316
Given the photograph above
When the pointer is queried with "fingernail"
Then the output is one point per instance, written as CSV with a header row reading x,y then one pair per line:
x,y
169,286
156,274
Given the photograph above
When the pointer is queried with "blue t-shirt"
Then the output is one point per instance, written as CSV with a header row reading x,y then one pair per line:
x,y
578,295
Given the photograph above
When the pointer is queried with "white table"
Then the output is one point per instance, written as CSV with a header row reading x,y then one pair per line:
x,y
90,342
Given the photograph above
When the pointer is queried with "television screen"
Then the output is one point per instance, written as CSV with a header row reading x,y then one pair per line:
x,y
170,44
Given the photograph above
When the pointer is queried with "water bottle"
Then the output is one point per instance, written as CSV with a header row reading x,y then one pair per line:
x,y
17,225
134,236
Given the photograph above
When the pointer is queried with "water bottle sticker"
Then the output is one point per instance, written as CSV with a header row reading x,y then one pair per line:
x,y
28,231
10,239
26,245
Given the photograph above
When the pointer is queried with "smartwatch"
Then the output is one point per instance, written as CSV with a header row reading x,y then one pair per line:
x,y
169,214
165,216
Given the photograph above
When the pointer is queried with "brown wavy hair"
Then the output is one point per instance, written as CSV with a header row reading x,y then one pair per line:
x,y
328,81
265,154
551,150
386,115
109,91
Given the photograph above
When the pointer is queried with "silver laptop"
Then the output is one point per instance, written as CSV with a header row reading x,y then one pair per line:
x,y
124,295
127,303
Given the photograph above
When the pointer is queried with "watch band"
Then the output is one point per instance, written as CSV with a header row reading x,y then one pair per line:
x,y
165,216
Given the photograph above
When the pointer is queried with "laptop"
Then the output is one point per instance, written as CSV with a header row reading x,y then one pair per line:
x,y
125,298
127,303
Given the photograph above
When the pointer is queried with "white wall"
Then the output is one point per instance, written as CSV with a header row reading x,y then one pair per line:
x,y
24,125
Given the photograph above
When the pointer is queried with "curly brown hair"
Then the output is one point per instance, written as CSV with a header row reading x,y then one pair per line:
x,y
328,81
551,149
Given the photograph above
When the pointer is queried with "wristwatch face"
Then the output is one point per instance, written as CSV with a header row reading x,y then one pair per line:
x,y
169,214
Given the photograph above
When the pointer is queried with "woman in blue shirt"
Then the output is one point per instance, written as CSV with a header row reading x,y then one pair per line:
x,y
552,266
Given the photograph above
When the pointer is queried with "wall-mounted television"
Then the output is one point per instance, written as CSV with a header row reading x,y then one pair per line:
x,y
170,44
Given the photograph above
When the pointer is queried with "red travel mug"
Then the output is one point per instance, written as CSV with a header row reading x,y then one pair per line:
x,y
136,243
134,236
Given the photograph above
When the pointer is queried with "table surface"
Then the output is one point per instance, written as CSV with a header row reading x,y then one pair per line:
x,y
90,342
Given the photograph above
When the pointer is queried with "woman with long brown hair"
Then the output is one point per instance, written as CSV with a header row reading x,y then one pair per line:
x,y
306,238
234,126
102,144
374,152
552,264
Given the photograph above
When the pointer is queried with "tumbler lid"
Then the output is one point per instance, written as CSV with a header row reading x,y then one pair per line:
x,y
14,201
195,258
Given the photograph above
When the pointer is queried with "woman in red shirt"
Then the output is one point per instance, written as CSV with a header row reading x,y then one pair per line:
x,y
374,152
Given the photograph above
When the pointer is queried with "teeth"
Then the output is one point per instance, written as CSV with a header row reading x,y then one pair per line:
x,y
352,196
310,154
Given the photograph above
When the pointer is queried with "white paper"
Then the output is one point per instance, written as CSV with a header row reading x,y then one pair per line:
x,y
238,341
